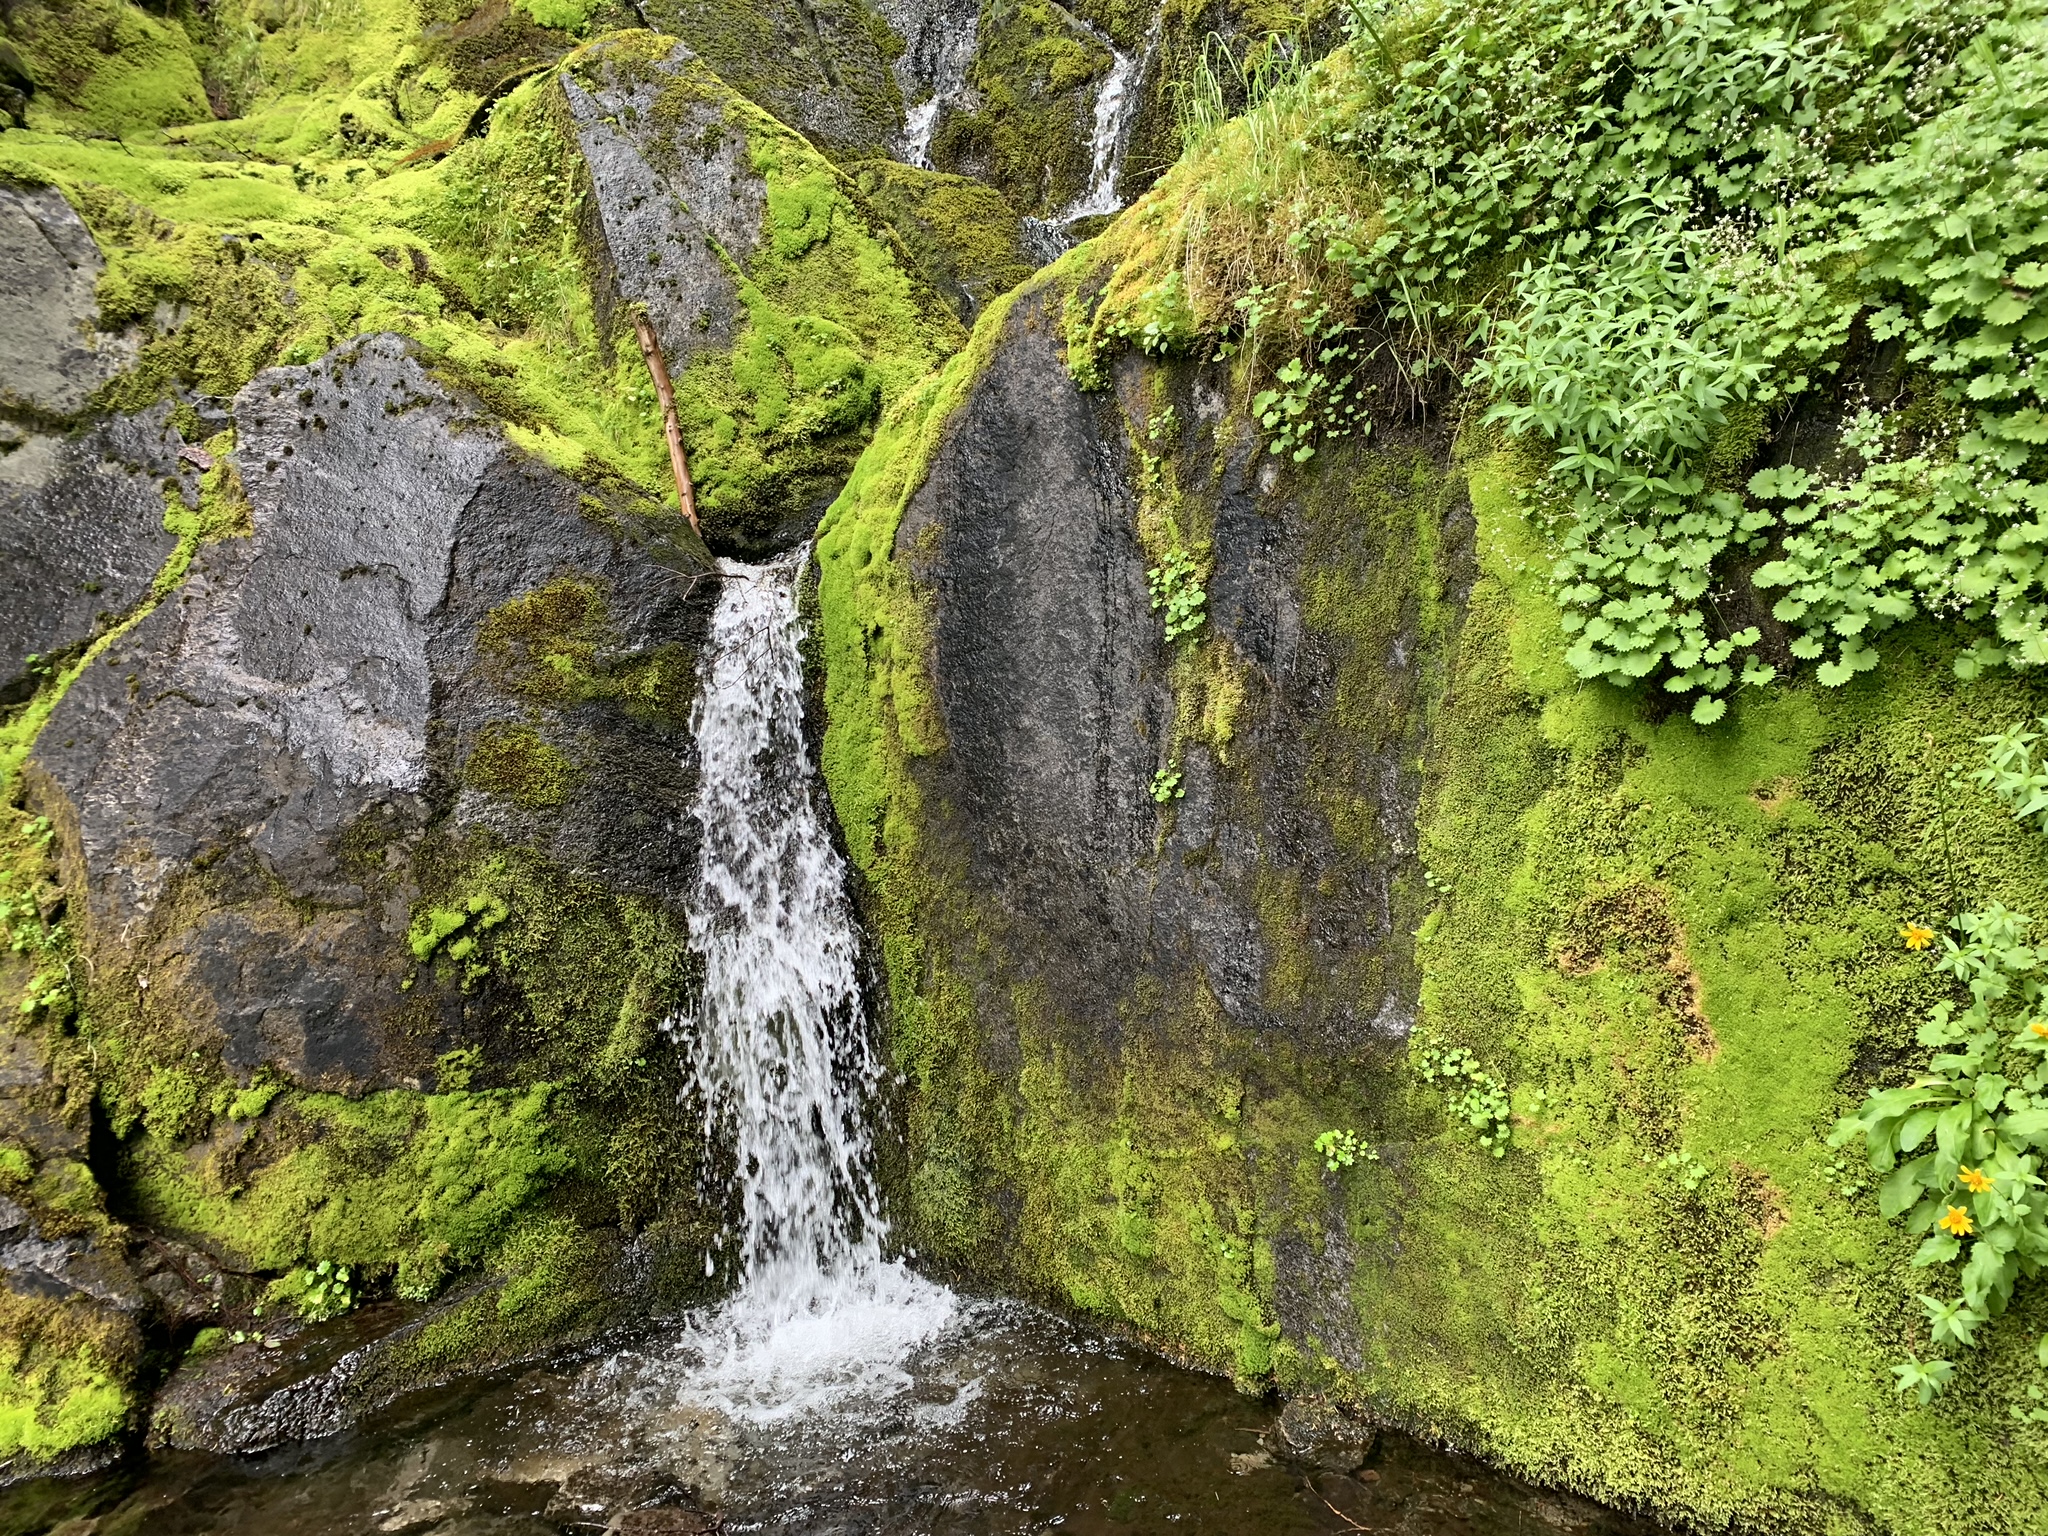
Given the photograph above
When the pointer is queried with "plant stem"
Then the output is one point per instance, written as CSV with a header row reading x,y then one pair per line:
x,y
679,461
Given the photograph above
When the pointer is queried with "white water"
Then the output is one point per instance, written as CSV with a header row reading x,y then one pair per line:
x,y
780,1045
938,48
1116,104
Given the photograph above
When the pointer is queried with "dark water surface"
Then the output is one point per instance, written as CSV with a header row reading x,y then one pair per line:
x,y
1013,1422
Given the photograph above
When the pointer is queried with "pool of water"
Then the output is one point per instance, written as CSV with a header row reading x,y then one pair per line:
x,y
1005,1420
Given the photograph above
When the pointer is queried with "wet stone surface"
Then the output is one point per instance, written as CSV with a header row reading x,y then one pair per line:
x,y
1008,1421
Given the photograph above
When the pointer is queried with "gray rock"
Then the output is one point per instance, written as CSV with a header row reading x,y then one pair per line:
x,y
81,530
59,1267
51,356
1315,1430
675,197
313,690
1056,701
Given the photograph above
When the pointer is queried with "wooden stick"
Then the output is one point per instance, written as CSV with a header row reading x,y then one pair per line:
x,y
679,461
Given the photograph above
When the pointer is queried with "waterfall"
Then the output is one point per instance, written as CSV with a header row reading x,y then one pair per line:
x,y
938,48
779,1042
1116,104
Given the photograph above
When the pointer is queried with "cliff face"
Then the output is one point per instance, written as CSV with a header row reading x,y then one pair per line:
x,y
1409,718
1300,953
1399,828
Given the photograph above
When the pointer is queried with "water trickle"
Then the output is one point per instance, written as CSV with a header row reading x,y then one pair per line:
x,y
779,1041
1116,105
938,48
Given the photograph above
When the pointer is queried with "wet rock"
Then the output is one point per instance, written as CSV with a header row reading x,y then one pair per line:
x,y
671,1520
818,65
58,1266
288,1382
51,355
1056,701
81,532
245,777
1317,1431
186,1286
673,190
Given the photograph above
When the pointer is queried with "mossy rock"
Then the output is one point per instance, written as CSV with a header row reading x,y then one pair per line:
x,y
1028,132
792,312
966,240
821,66
104,67
1127,1005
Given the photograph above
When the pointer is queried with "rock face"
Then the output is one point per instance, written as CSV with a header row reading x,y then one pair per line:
x,y
248,772
1131,886
51,358
1059,704
377,791
788,310
678,205
64,578
1340,991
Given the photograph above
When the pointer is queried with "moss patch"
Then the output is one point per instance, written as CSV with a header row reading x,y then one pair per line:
x,y
964,237
1676,948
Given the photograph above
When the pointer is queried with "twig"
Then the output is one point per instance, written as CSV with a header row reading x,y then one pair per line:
x,y
679,461
1349,1523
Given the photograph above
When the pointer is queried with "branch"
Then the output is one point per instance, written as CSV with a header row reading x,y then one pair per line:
x,y
679,461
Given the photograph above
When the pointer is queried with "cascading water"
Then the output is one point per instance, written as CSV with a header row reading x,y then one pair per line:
x,y
1116,104
779,1041
938,47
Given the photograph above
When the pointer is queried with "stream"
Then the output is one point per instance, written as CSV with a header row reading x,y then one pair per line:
x,y
836,1391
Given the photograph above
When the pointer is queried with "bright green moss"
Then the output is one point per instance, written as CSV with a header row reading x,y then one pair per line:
x,y
836,327
420,1183
66,1372
105,68
517,764
964,237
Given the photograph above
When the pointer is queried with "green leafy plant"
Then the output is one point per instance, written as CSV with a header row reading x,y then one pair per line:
x,y
1476,1096
1639,229
1688,1170
2012,774
317,1292
1176,584
1958,1146
1166,785
1344,1149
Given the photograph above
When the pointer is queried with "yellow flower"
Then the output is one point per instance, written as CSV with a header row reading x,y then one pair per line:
x,y
1916,937
1976,1180
1957,1222
2038,1028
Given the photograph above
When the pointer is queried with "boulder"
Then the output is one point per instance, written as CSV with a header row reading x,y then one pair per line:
x,y
66,578
52,356
245,775
787,309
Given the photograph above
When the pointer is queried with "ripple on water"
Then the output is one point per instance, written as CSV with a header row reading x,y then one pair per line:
x,y
1001,1419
